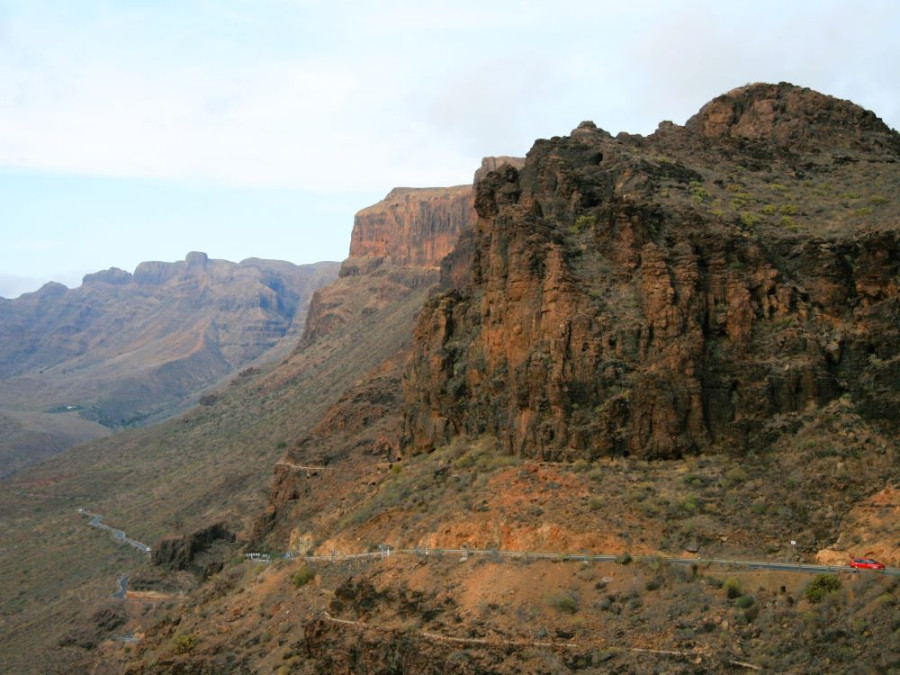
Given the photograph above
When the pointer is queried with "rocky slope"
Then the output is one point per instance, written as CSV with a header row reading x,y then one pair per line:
x,y
659,296
395,253
679,344
339,387
126,349
672,344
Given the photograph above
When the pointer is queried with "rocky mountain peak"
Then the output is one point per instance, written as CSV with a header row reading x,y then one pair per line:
x,y
792,118
113,275
663,295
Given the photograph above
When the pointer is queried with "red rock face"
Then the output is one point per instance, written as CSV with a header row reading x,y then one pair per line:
x,y
411,227
396,246
611,301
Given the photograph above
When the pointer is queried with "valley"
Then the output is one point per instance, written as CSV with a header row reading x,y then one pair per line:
x,y
126,350
677,351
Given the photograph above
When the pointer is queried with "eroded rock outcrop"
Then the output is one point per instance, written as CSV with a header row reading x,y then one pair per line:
x,y
396,246
410,227
656,296
202,551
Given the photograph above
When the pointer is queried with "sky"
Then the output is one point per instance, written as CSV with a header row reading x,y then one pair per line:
x,y
135,130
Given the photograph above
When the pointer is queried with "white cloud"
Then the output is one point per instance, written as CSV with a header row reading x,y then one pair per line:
x,y
360,96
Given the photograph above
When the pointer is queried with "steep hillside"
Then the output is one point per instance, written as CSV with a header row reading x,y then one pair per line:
x,y
204,472
675,345
684,344
126,349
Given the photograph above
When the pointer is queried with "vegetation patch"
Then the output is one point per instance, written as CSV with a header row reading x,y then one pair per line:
x,y
821,586
303,576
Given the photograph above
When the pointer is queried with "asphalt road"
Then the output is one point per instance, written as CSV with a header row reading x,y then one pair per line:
x,y
465,554
118,534
123,588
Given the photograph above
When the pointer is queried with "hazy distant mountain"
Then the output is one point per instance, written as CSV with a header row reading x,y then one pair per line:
x,y
126,349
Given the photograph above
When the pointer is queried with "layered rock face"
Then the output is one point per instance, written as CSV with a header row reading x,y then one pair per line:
x,y
658,296
411,227
396,246
364,320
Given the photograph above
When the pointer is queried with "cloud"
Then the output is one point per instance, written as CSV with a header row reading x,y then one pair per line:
x,y
355,96
704,49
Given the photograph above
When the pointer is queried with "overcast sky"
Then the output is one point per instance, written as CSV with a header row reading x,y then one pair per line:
x,y
135,130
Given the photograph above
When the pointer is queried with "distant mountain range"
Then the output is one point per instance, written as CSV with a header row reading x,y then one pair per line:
x,y
129,349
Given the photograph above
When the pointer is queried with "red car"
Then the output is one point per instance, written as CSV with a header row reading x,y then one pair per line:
x,y
866,564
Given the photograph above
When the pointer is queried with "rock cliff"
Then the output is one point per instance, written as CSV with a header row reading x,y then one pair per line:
x,y
368,313
663,295
410,227
396,246
727,288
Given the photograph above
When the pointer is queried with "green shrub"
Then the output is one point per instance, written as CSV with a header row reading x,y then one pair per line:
x,y
788,222
732,588
821,586
185,643
584,223
745,601
689,504
624,559
736,475
303,576
564,602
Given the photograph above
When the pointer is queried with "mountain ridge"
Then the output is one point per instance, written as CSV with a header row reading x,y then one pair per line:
x,y
124,349
647,347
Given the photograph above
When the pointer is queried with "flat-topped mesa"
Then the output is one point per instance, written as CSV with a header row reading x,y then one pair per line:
x,y
410,227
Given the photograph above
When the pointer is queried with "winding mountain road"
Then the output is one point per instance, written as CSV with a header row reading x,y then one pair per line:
x,y
96,521
123,588
465,554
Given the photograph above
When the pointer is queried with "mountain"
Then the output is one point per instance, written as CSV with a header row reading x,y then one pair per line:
x,y
126,349
683,344
654,297
206,471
